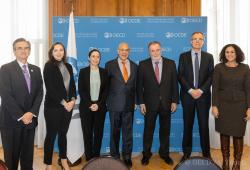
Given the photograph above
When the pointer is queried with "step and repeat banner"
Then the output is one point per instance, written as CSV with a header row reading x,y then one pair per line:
x,y
105,33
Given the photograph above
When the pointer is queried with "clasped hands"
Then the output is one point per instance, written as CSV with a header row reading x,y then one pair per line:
x,y
196,93
27,118
93,107
69,105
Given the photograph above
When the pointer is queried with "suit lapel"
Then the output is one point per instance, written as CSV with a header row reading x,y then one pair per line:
x,y
164,70
21,77
190,65
202,63
118,71
151,67
88,79
32,78
132,71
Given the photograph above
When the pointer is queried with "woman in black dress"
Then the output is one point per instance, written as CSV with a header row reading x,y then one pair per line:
x,y
92,86
59,102
231,102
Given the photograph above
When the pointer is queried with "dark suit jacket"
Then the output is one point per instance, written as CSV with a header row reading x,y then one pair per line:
x,y
55,89
150,92
121,95
16,99
84,90
186,77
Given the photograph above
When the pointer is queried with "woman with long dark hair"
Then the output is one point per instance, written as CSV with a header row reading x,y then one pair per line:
x,y
59,103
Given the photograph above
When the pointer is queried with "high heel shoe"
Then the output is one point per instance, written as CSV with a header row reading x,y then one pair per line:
x,y
67,166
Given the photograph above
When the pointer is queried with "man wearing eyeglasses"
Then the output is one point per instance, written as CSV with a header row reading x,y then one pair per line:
x,y
195,77
22,93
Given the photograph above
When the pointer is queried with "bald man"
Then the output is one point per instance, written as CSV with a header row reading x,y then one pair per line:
x,y
121,101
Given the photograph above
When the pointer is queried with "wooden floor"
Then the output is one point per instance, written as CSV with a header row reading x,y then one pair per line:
x,y
155,162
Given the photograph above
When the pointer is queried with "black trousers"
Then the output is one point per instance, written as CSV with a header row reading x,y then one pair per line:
x,y
121,121
18,144
164,131
57,123
202,109
92,128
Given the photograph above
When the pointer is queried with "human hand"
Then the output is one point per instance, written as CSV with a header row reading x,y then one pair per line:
x,y
248,114
215,111
69,105
143,109
93,107
27,118
196,93
173,107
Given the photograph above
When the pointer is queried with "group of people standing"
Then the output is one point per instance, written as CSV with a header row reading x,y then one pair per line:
x,y
119,88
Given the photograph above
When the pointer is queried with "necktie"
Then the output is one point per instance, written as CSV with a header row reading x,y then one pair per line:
x,y
124,71
26,76
157,71
196,70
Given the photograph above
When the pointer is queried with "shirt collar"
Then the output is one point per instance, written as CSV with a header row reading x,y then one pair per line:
x,y
193,52
160,61
120,61
21,64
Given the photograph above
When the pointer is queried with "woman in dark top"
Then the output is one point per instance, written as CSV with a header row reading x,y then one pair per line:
x,y
59,102
92,86
231,101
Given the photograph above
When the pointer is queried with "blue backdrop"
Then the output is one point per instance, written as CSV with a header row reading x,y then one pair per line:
x,y
105,33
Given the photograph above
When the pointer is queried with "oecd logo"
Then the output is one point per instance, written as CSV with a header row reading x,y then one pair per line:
x,y
61,20
107,149
129,21
101,49
137,135
139,121
114,35
185,20
122,20
169,35
58,35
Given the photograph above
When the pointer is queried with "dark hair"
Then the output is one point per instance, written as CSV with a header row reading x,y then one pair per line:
x,y
239,53
197,32
51,57
94,50
20,40
153,42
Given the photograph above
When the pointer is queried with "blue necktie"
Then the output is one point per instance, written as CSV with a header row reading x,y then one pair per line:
x,y
196,70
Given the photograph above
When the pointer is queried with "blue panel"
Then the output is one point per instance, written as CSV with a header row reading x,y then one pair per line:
x,y
105,33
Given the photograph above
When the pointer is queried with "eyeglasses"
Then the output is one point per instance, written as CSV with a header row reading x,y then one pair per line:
x,y
124,50
22,48
198,39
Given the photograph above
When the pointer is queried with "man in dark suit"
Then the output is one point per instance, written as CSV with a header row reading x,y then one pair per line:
x,y
21,93
121,100
195,77
158,95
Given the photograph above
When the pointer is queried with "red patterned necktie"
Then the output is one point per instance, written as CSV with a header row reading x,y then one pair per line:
x,y
157,71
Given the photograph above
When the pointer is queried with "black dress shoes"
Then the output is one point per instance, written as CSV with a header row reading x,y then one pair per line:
x,y
145,160
169,160
128,162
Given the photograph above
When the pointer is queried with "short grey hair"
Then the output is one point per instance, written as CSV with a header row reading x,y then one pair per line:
x,y
20,40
